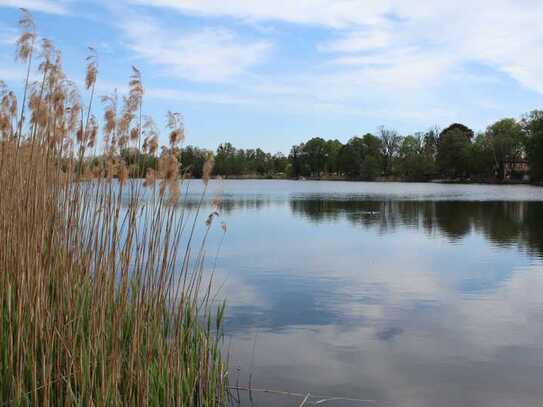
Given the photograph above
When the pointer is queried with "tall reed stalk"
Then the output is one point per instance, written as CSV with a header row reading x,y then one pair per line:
x,y
101,294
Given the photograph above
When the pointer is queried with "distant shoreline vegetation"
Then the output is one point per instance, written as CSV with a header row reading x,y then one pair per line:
x,y
509,151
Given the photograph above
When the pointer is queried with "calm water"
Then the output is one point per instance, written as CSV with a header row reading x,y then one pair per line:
x,y
407,294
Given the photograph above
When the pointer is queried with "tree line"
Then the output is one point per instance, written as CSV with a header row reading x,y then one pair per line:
x,y
508,149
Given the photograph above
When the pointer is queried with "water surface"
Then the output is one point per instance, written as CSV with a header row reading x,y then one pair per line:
x,y
407,294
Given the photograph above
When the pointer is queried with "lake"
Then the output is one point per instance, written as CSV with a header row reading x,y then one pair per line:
x,y
406,294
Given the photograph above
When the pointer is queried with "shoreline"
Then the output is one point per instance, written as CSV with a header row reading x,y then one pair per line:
x,y
382,180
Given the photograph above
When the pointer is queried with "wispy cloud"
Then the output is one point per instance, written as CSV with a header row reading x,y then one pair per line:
x,y
211,54
8,35
44,6
333,13
409,63
358,41
504,34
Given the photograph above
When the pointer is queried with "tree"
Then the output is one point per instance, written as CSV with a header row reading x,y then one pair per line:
x,y
226,160
481,158
532,125
316,154
453,151
371,168
507,141
193,159
263,164
361,158
390,147
137,162
431,138
372,145
411,158
298,162
333,147
279,163
350,158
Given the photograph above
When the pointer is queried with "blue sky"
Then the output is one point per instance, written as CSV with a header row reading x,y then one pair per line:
x,y
274,73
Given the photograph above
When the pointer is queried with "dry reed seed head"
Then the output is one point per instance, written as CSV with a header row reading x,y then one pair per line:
x,y
26,22
46,53
123,172
126,119
73,117
38,115
109,121
145,146
25,42
25,45
96,171
169,171
174,192
134,134
110,143
43,117
177,129
168,167
55,75
208,168
74,107
174,120
135,94
210,218
13,104
122,141
93,132
176,137
110,113
8,105
92,68
224,227
79,135
150,178
5,125
110,170
58,98
153,145
34,100
150,144
54,136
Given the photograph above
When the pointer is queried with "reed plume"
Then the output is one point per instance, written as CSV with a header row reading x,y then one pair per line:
x,y
99,305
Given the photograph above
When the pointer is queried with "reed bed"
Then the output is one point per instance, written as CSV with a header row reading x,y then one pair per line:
x,y
102,299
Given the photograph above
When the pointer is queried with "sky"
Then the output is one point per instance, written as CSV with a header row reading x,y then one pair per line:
x,y
270,74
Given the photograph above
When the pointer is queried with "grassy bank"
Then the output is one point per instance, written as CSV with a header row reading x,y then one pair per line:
x,y
101,293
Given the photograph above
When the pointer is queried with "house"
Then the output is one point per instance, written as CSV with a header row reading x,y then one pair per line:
x,y
517,169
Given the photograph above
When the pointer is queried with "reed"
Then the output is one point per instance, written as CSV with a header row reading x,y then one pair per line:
x,y
102,300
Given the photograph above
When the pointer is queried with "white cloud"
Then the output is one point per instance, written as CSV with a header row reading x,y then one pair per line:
x,y
44,6
211,54
334,13
11,75
358,41
8,36
504,34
